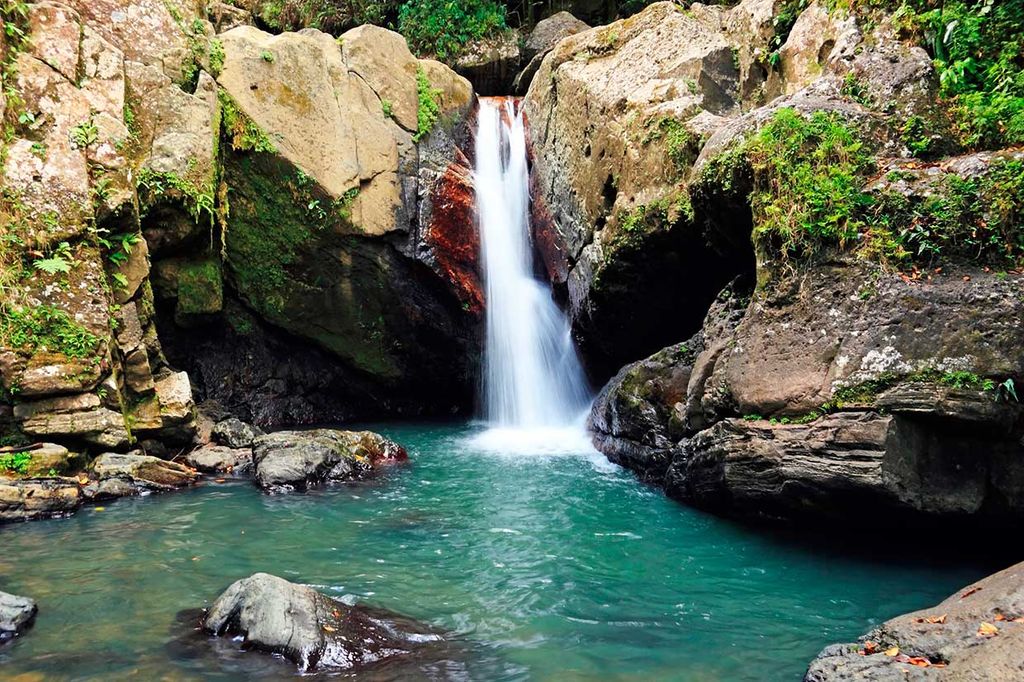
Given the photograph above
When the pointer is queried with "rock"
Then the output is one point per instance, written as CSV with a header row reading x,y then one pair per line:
x,y
295,460
53,458
81,418
542,39
234,433
149,472
217,459
632,416
16,615
324,240
612,158
490,64
111,489
27,499
177,409
313,631
949,633
226,16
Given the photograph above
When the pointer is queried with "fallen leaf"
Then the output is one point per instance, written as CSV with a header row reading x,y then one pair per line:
x,y
967,278
870,647
919,661
987,630
328,628
100,508
1019,619
195,558
998,617
932,619
894,651
938,665
969,592
218,480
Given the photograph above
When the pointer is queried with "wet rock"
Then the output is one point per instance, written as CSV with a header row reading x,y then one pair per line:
x,y
148,472
949,633
491,64
16,615
51,459
39,498
79,417
234,433
313,631
295,460
218,459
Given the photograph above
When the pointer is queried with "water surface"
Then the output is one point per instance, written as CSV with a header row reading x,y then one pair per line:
x,y
546,567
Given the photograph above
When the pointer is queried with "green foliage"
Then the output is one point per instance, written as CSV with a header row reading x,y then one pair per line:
x,y
387,108
808,180
200,290
268,56
442,28
970,219
429,107
45,327
978,47
242,132
680,144
216,57
85,134
198,201
59,261
914,134
855,90
17,462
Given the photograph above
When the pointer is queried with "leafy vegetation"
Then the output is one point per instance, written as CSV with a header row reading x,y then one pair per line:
x,y
242,132
442,28
808,180
429,107
46,327
17,462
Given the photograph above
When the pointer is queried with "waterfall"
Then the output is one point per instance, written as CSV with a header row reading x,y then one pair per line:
x,y
532,378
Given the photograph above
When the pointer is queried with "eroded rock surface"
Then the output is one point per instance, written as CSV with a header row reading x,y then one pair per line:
x,y
313,631
975,634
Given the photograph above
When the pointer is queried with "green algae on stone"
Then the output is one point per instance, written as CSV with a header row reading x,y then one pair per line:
x,y
200,291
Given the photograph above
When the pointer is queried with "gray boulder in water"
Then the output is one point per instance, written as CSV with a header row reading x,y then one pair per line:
x,y
16,615
296,460
310,629
235,433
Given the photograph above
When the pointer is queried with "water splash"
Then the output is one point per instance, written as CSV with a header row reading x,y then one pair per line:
x,y
534,389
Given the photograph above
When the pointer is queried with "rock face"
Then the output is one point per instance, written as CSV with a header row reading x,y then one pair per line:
x,y
490,64
313,631
234,433
975,634
614,134
296,460
542,39
814,400
16,615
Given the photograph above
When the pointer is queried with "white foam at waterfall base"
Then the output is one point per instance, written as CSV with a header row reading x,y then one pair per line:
x,y
534,389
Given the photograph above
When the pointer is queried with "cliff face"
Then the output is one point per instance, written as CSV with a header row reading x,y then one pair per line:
x,y
867,349
257,198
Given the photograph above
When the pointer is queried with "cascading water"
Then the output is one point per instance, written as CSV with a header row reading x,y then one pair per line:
x,y
533,383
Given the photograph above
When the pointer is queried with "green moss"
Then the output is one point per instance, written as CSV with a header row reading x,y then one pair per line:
x,y
200,291
680,144
216,57
242,132
199,201
45,327
429,107
809,175
657,216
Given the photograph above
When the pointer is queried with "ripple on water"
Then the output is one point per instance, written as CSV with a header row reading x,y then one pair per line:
x,y
546,568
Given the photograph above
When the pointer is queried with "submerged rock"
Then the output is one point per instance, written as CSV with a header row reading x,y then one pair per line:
x,y
310,629
220,459
295,460
975,634
16,615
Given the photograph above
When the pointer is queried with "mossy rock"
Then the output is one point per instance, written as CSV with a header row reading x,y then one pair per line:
x,y
200,292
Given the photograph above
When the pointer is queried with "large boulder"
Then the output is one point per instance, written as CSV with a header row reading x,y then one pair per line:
x,y
491,63
311,630
975,634
219,459
146,472
296,460
16,615
542,39
234,433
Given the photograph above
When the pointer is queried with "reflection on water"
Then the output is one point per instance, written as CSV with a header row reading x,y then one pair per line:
x,y
545,568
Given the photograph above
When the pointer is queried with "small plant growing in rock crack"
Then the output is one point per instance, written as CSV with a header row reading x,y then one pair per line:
x,y
429,105
17,462
268,56
60,261
84,134
387,108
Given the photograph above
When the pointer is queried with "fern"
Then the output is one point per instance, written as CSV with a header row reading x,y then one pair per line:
x,y
52,265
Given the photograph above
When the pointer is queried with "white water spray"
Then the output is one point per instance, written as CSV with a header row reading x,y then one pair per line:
x,y
533,384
